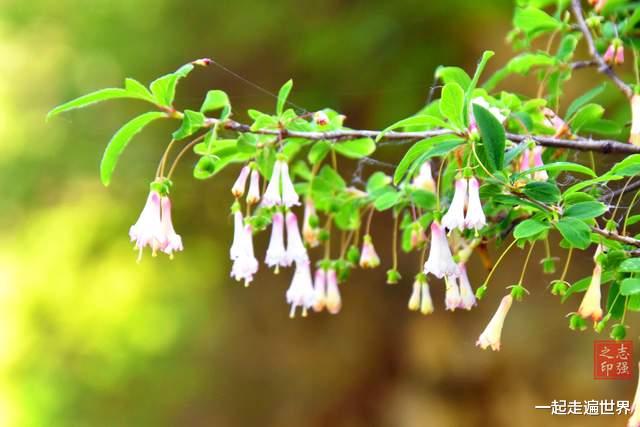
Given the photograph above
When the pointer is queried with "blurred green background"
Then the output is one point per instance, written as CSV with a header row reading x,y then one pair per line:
x,y
90,338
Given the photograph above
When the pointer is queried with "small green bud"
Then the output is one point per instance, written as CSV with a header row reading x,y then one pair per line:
x,y
518,292
343,270
549,265
577,323
393,277
559,288
481,291
323,236
353,254
599,327
618,332
314,221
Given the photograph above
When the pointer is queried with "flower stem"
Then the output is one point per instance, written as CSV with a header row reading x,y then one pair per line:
x,y
526,262
394,248
493,269
182,153
626,217
566,265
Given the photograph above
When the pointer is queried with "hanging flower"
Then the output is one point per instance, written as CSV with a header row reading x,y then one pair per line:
x,y
276,254
333,301
491,335
414,299
635,120
320,289
483,103
417,236
454,218
253,196
619,59
475,217
467,297
591,302
289,195
238,187
537,162
525,160
424,179
599,5
172,239
301,292
369,258
148,229
238,234
271,196
634,421
452,295
609,54
245,265
296,252
310,233
426,304
440,262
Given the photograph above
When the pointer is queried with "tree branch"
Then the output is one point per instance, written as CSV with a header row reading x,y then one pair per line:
x,y
615,236
603,67
580,144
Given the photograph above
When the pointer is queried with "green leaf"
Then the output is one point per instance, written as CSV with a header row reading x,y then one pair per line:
x,y
164,88
318,152
90,99
575,232
523,63
453,75
120,140
631,265
630,166
191,123
633,219
137,90
493,137
529,228
423,199
557,166
283,94
630,286
422,120
586,115
584,99
468,95
582,284
452,104
387,200
215,100
544,192
586,210
356,148
418,149
533,21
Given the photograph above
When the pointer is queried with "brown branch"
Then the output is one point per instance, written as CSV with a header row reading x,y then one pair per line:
x,y
580,144
615,236
615,193
603,67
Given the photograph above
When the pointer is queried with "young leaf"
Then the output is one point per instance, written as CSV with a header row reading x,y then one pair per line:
x,y
529,228
544,192
575,232
89,99
493,137
452,104
533,21
630,286
191,123
137,89
318,152
557,166
453,75
283,94
585,210
120,140
468,93
416,150
356,148
631,265
630,166
214,100
586,115
584,99
164,88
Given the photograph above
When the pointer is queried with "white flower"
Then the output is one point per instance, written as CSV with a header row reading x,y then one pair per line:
x,y
334,301
467,297
537,162
424,179
591,302
147,231
414,300
634,421
271,196
452,296
491,335
426,304
238,187
172,239
276,253
296,252
301,292
454,218
246,264
238,235
253,196
475,215
320,289
310,234
368,258
289,195
440,262
635,120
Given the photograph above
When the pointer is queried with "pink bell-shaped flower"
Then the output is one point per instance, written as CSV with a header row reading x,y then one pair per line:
x,y
276,253
454,218
440,262
490,337
148,229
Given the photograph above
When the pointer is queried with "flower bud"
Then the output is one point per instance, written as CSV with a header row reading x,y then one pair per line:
x,y
549,265
609,54
393,277
491,335
321,118
518,292
618,332
238,187
369,257
635,120
577,323
353,254
559,288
